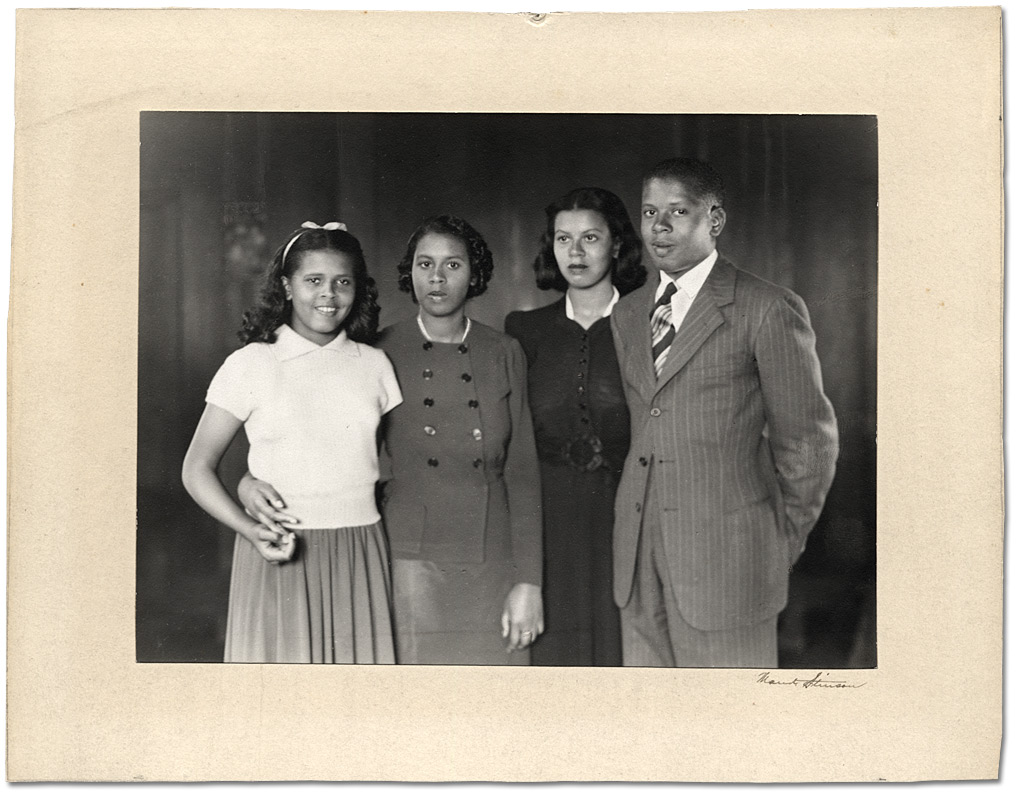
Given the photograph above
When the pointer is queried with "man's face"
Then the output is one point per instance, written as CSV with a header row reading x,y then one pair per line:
x,y
678,228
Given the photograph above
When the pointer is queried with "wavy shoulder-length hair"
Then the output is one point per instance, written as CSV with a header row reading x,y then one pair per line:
x,y
479,256
627,271
273,308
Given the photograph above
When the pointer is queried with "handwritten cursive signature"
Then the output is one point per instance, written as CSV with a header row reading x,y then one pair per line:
x,y
766,677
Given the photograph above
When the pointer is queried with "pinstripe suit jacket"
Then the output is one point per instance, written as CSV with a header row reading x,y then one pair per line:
x,y
737,435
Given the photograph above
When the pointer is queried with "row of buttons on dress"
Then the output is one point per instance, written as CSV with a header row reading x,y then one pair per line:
x,y
581,377
430,402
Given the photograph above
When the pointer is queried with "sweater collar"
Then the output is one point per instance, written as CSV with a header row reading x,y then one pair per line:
x,y
290,345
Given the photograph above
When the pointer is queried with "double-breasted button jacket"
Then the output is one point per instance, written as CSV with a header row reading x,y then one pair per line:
x,y
460,452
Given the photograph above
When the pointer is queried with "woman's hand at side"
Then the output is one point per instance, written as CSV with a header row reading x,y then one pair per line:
x,y
216,429
261,501
522,616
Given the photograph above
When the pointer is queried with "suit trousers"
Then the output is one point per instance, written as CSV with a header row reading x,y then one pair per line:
x,y
655,633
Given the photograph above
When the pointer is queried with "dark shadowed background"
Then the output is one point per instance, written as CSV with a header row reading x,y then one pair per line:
x,y
220,191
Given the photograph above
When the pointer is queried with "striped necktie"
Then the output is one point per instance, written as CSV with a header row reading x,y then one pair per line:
x,y
662,328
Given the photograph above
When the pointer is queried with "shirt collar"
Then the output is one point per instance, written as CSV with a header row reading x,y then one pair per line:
x,y
690,281
609,308
290,345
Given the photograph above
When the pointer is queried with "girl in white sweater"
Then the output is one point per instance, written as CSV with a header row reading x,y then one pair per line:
x,y
310,392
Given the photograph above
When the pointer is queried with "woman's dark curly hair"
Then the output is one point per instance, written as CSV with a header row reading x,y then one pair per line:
x,y
274,309
627,271
479,256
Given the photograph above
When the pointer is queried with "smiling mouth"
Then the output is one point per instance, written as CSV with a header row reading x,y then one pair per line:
x,y
327,310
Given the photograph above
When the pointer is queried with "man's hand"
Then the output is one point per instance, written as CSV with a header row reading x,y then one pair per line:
x,y
261,501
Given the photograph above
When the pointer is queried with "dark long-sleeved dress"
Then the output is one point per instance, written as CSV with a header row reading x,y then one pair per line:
x,y
462,502
582,432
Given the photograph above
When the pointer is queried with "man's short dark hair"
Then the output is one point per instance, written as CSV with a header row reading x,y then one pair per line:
x,y
697,177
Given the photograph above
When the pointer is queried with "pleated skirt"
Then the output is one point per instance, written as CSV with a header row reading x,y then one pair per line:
x,y
331,603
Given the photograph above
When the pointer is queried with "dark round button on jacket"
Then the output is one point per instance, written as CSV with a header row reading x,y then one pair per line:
x,y
472,403
429,402
643,461
433,462
462,349
466,377
427,346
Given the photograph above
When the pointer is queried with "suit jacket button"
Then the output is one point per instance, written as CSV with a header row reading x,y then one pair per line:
x,y
472,403
466,377
430,430
429,401
427,374
477,463
656,412
433,462
643,461
476,434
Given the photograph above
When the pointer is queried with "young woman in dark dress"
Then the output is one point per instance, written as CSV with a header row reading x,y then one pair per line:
x,y
590,251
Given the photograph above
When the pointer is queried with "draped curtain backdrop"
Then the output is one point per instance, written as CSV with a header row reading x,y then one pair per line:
x,y
220,191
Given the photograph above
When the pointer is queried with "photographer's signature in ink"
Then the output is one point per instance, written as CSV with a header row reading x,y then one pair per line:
x,y
766,677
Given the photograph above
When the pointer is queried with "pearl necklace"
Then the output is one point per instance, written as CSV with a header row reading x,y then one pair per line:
x,y
429,338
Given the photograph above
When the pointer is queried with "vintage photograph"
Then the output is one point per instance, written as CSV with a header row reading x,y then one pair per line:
x,y
507,389
552,342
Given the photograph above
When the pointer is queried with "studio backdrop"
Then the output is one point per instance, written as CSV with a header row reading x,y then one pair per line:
x,y
220,191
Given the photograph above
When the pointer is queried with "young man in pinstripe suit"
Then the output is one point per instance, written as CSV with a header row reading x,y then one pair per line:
x,y
733,442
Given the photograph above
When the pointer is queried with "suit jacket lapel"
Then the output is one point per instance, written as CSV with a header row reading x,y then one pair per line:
x,y
701,320
634,322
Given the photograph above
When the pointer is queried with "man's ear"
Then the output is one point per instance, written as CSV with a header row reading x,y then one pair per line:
x,y
718,216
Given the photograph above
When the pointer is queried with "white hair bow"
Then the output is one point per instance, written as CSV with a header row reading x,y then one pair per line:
x,y
326,226
311,226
